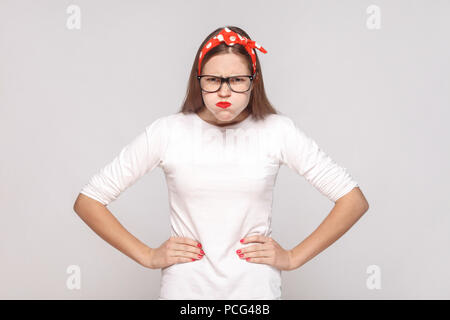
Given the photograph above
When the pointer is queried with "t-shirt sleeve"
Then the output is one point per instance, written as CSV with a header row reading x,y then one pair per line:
x,y
137,158
302,154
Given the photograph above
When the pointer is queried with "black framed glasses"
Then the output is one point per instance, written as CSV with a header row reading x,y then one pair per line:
x,y
239,83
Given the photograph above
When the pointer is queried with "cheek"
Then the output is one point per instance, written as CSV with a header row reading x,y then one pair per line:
x,y
209,99
241,98
245,99
206,98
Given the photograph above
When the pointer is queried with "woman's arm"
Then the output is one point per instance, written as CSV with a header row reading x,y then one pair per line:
x,y
102,221
346,211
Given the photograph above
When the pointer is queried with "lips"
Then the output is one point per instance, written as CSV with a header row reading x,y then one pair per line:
x,y
223,104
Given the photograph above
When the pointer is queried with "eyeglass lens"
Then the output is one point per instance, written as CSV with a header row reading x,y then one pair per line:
x,y
239,84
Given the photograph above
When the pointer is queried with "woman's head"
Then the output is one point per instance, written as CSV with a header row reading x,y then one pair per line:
x,y
226,61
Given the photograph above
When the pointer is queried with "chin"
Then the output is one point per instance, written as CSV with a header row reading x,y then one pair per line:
x,y
226,117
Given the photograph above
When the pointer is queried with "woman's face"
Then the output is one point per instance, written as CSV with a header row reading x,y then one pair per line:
x,y
225,65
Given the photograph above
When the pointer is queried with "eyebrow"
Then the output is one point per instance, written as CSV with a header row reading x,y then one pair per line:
x,y
232,75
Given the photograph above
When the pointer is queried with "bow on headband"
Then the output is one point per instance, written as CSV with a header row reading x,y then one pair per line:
x,y
230,38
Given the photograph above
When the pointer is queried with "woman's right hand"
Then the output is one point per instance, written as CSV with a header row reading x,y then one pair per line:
x,y
174,250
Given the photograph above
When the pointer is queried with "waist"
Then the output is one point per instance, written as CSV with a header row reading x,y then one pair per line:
x,y
220,278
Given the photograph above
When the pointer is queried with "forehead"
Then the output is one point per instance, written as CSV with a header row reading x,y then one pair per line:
x,y
226,64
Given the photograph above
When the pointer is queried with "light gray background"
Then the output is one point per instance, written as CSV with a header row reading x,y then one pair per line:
x,y
376,101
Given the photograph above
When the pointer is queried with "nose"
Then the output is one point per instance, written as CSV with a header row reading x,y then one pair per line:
x,y
224,90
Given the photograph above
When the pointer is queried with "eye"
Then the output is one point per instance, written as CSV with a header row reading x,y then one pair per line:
x,y
237,79
211,79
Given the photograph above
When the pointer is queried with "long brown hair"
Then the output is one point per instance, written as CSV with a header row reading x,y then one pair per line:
x,y
258,105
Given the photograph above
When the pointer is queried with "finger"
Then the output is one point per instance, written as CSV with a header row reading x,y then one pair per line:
x,y
189,241
259,260
186,254
255,247
175,256
256,254
186,247
255,238
183,260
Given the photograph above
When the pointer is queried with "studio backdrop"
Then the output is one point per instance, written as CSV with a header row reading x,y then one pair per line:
x,y
367,80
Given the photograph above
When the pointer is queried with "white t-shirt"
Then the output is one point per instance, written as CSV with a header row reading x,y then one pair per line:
x,y
220,183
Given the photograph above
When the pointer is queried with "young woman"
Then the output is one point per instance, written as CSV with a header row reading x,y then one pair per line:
x,y
221,154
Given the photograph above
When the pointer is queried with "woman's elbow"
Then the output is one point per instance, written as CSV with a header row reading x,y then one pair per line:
x,y
82,202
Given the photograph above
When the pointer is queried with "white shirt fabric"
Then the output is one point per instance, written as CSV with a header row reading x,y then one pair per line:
x,y
220,183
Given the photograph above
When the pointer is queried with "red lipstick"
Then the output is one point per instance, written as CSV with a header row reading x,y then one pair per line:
x,y
223,104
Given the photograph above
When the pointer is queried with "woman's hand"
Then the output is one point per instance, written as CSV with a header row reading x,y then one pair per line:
x,y
174,250
267,251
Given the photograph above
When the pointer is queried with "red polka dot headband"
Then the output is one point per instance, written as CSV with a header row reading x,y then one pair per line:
x,y
230,38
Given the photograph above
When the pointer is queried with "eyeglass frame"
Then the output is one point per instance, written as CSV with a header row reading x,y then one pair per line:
x,y
227,80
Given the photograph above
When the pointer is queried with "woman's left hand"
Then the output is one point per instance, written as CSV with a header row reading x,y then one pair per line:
x,y
267,251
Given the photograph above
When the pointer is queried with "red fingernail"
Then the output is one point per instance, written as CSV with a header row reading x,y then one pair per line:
x,y
201,251
193,259
200,256
247,259
238,251
199,245
241,255
242,240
